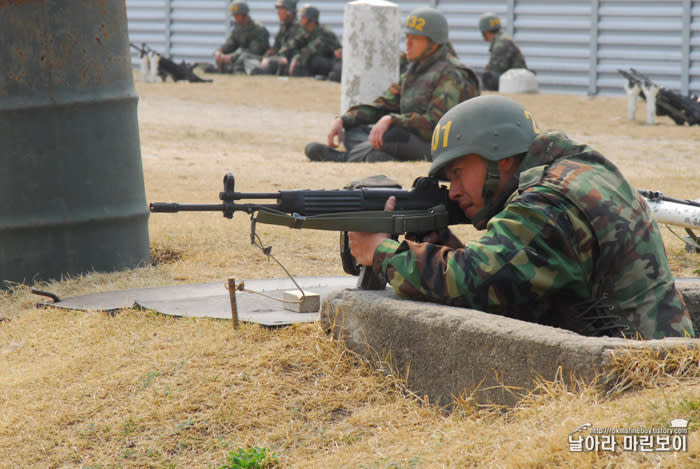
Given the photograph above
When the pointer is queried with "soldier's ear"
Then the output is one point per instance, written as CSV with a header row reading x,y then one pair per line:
x,y
509,164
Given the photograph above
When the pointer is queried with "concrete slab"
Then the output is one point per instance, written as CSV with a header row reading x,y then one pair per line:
x,y
212,300
448,352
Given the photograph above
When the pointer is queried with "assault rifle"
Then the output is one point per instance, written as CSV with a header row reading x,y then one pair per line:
x,y
679,108
358,207
168,68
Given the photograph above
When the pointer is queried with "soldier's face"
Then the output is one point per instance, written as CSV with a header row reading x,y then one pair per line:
x,y
467,176
415,46
282,13
239,17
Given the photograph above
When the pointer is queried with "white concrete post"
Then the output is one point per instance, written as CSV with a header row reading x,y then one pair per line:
x,y
371,49
632,93
650,93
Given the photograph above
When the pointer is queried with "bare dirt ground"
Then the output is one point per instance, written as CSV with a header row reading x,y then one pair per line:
x,y
136,389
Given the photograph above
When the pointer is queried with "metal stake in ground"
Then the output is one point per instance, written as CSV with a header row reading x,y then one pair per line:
x,y
231,287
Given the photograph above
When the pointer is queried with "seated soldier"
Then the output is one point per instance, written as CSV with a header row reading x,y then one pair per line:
x,y
289,36
569,242
399,124
317,53
246,44
505,54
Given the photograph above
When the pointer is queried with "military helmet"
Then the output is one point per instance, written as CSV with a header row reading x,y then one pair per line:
x,y
311,12
290,5
239,8
489,23
427,22
493,126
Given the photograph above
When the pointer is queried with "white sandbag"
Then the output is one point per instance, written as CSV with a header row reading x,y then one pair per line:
x,y
518,80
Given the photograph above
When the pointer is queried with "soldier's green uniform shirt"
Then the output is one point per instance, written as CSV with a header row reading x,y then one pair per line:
x,y
252,38
426,91
321,42
505,54
287,38
574,235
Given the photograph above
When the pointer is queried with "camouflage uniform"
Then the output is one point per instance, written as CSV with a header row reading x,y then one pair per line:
x,y
427,90
316,51
289,35
574,242
505,54
248,43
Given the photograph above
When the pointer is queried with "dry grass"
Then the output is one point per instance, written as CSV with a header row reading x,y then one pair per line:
x,y
136,389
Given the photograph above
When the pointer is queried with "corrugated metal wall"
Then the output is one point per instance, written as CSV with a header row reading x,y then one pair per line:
x,y
575,46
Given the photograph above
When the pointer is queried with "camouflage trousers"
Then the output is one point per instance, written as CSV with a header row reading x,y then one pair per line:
x,y
317,66
489,80
244,62
399,145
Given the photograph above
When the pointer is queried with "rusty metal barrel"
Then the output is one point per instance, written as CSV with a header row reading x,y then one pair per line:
x,y
72,195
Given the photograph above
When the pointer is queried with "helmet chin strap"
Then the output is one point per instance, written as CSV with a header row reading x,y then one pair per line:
x,y
493,199
428,50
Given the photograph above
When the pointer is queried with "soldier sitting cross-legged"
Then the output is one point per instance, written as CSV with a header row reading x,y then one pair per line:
x,y
398,125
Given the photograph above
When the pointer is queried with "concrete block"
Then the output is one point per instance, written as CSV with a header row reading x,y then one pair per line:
x,y
311,303
450,351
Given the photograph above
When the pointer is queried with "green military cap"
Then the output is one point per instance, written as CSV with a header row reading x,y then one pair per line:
x,y
290,5
239,8
489,23
427,22
311,12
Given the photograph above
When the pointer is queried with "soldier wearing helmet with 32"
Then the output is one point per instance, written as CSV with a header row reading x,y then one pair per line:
x,y
398,125
568,242
504,53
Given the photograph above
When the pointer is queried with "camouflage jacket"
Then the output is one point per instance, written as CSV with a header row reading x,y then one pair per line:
x,y
424,93
505,54
253,38
573,244
287,38
321,42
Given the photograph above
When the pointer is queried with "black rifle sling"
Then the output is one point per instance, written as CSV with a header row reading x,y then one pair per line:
x,y
397,222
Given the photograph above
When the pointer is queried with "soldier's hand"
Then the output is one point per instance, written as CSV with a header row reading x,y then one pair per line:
x,y
444,237
376,136
363,245
335,134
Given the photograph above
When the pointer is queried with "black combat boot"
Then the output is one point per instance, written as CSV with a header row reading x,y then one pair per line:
x,y
320,152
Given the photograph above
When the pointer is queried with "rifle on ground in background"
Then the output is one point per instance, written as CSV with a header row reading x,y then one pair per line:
x,y
359,207
166,67
679,108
